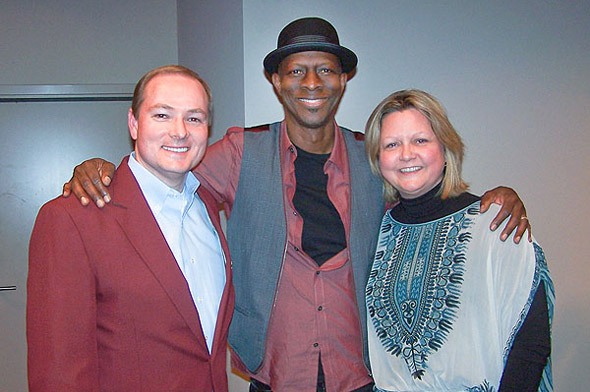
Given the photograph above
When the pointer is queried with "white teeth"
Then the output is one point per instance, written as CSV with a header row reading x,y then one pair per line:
x,y
410,169
310,100
175,149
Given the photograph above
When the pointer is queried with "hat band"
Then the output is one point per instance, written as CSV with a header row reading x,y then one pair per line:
x,y
308,39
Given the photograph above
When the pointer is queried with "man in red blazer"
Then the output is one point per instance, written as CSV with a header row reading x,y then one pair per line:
x,y
148,307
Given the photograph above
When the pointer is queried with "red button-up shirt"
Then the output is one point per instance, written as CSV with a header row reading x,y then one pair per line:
x,y
316,310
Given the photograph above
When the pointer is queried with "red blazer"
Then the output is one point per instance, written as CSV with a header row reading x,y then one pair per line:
x,y
108,308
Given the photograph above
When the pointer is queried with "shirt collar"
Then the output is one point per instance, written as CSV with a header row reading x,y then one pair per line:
x,y
155,191
338,156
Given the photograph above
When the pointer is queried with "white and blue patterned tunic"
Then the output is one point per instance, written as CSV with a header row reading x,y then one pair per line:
x,y
446,299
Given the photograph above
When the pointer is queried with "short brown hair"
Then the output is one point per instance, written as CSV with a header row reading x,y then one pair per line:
x,y
138,93
429,107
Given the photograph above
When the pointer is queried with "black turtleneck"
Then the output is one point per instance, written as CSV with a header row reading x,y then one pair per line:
x,y
430,206
532,344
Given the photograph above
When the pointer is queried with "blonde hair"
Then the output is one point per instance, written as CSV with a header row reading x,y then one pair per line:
x,y
429,107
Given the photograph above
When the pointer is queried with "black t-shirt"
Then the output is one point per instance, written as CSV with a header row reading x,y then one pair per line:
x,y
323,232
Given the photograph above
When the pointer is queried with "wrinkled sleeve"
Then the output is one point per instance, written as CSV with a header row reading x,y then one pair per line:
x,y
219,171
61,307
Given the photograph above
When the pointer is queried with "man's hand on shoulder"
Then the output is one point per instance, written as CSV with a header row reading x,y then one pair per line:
x,y
89,182
512,207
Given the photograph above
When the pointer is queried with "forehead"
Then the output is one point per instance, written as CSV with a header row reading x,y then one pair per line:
x,y
311,58
175,89
405,121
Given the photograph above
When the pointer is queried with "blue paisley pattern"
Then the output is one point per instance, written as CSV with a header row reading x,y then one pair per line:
x,y
414,288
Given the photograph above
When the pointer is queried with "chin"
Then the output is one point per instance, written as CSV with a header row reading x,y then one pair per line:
x,y
314,124
411,194
178,169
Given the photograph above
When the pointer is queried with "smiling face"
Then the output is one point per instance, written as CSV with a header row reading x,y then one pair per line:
x,y
310,85
411,158
171,129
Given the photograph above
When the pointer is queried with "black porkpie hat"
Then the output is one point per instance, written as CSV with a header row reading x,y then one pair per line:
x,y
309,34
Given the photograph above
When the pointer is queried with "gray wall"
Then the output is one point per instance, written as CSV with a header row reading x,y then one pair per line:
x,y
210,40
515,78
85,42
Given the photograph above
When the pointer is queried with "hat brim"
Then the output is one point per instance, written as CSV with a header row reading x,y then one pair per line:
x,y
348,59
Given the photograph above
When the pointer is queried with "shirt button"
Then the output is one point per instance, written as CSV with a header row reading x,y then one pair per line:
x,y
294,212
296,249
192,260
316,344
317,272
320,308
291,149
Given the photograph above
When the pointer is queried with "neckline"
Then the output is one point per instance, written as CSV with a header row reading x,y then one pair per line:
x,y
422,206
430,206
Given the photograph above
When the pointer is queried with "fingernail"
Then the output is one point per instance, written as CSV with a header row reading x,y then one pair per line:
x,y
494,226
107,199
84,201
517,239
503,237
100,203
107,180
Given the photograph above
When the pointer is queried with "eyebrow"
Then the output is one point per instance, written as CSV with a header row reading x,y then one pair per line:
x,y
197,111
168,107
327,63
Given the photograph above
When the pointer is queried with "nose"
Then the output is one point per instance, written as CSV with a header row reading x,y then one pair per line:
x,y
178,129
311,81
407,152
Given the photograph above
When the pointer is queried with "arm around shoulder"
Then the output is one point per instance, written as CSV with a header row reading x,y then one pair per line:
x,y
90,181
512,207
219,171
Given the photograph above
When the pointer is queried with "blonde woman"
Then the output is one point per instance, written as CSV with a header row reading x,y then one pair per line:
x,y
451,306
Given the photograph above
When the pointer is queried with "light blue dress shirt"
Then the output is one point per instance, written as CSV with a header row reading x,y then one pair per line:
x,y
187,228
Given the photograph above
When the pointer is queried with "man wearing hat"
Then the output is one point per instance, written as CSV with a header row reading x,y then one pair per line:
x,y
304,210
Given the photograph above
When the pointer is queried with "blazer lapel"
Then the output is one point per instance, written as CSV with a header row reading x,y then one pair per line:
x,y
143,232
226,306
